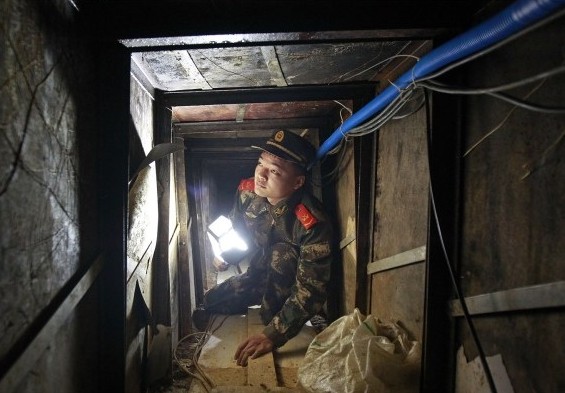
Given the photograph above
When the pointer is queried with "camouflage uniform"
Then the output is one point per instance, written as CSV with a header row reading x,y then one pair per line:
x,y
289,270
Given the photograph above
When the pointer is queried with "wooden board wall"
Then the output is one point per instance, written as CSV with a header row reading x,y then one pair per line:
x,y
142,235
513,216
401,214
345,207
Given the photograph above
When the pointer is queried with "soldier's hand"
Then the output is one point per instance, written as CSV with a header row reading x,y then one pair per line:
x,y
252,348
220,265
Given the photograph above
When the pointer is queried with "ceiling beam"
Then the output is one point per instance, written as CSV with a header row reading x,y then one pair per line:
x,y
271,59
227,129
270,94
229,40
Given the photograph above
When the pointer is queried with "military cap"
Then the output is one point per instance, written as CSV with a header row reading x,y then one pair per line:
x,y
290,147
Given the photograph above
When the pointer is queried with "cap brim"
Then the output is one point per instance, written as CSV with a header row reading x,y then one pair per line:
x,y
279,153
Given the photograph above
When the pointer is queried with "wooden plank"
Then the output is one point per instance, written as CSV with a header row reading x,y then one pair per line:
x,y
240,114
272,61
347,241
402,259
261,371
216,357
160,278
160,304
251,389
187,297
174,286
192,70
289,357
196,387
364,165
344,280
525,298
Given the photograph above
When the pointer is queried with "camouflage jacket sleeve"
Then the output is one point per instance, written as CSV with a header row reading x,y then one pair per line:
x,y
243,196
309,292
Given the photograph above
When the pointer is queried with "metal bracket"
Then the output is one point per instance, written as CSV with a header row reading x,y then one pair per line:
x,y
404,258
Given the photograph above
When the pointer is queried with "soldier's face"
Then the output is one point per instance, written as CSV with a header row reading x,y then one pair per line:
x,y
275,178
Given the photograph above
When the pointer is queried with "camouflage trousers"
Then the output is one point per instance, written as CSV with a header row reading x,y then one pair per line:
x,y
268,281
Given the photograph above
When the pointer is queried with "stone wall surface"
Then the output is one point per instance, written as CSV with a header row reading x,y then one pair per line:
x,y
48,150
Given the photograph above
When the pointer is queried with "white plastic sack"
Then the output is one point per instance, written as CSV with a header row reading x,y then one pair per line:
x,y
357,354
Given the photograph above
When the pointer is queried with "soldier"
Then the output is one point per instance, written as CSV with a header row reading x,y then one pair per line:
x,y
291,235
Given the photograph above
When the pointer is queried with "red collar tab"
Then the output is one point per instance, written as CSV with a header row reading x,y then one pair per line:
x,y
247,184
304,216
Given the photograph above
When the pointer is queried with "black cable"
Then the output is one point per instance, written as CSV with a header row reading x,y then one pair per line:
x,y
456,287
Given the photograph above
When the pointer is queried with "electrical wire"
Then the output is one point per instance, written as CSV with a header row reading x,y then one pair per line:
x,y
374,123
495,46
384,116
340,148
333,174
442,88
501,123
369,127
428,82
389,112
365,129
387,60
419,106
185,365
380,119
534,165
527,105
375,104
439,87
456,287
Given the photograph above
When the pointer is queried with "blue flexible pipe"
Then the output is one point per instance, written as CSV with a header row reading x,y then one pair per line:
x,y
509,21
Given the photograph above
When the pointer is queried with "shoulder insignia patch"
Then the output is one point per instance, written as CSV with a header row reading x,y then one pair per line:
x,y
304,216
247,185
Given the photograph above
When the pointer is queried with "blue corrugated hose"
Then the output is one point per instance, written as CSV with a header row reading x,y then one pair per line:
x,y
511,20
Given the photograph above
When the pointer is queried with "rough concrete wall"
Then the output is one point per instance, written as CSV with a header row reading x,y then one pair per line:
x,y
401,213
48,185
142,234
514,207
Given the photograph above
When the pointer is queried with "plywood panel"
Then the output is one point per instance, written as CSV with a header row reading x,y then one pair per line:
x,y
345,205
400,297
142,235
402,187
513,215
401,214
